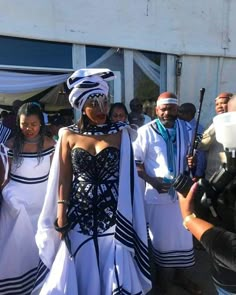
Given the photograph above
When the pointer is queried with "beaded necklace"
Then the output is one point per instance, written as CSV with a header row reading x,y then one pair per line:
x,y
104,129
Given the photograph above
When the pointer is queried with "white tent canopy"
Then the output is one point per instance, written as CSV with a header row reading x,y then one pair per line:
x,y
18,85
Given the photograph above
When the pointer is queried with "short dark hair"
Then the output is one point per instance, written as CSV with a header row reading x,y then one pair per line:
x,y
187,107
135,101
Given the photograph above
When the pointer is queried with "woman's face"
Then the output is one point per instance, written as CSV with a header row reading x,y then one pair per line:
x,y
118,114
30,126
96,110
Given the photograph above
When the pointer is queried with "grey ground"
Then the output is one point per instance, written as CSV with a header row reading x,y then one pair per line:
x,y
199,274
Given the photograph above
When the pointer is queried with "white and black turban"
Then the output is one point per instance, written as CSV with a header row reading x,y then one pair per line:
x,y
88,82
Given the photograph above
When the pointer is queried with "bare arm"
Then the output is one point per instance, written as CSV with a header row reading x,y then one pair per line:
x,y
2,171
4,168
218,242
65,179
196,226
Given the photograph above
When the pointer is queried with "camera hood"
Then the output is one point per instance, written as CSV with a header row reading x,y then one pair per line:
x,y
225,129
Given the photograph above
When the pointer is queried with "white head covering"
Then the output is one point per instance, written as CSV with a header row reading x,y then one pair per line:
x,y
87,82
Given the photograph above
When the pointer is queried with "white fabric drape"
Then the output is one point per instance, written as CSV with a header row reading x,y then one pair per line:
x,y
21,83
151,69
12,82
56,98
102,58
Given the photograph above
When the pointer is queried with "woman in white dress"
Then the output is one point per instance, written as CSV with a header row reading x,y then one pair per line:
x,y
94,193
29,159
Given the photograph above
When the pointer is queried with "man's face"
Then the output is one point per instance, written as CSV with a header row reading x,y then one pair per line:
x,y
136,106
167,114
221,105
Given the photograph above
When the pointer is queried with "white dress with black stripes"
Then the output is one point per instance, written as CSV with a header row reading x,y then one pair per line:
x,y
23,198
106,248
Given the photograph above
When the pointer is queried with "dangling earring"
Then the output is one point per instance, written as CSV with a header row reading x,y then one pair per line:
x,y
83,113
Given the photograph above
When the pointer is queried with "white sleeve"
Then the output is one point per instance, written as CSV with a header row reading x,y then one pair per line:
x,y
139,147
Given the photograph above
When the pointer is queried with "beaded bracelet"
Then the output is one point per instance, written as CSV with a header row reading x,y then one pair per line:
x,y
63,228
66,202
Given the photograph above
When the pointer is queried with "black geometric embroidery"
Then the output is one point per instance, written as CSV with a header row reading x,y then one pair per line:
x,y
93,200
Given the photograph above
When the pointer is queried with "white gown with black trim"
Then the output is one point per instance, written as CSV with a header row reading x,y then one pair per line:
x,y
106,250
22,202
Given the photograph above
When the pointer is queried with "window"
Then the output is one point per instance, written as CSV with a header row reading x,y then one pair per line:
x,y
21,52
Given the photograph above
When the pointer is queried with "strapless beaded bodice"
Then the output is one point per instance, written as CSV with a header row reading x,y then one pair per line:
x,y
93,200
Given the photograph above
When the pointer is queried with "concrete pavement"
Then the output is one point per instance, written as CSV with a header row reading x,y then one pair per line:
x,y
200,274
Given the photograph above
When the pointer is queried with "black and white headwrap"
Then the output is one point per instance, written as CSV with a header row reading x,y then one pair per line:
x,y
85,83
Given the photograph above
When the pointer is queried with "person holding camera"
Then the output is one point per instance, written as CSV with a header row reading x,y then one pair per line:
x,y
219,242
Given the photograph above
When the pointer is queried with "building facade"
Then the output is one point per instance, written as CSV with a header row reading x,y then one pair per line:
x,y
152,45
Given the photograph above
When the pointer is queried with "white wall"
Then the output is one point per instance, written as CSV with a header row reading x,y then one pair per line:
x,y
201,32
172,26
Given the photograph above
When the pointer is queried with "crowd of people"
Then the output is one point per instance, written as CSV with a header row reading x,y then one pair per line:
x,y
87,207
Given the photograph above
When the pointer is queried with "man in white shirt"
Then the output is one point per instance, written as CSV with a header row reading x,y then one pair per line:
x,y
162,147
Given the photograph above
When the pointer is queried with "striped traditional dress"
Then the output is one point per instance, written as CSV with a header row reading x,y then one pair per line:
x,y
22,202
106,249
4,133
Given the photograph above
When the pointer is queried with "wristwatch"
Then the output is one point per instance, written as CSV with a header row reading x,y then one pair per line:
x,y
187,219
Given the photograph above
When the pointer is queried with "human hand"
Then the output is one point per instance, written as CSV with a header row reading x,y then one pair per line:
x,y
5,183
159,184
140,169
191,161
62,226
186,203
196,178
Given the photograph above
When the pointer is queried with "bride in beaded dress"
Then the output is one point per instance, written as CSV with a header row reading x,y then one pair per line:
x,y
95,240
29,156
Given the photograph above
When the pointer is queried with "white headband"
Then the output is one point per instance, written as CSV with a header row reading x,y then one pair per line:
x,y
168,100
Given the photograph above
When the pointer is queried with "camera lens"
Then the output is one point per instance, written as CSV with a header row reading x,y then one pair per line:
x,y
182,184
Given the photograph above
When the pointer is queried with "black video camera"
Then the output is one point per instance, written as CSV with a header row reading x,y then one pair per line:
x,y
219,191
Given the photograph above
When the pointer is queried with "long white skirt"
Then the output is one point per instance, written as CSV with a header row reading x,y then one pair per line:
x,y
23,198
172,244
99,266
18,252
